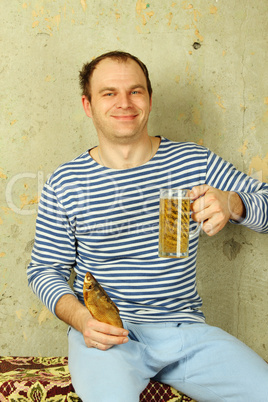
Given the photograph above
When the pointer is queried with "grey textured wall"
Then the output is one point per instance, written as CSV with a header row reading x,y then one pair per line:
x,y
208,66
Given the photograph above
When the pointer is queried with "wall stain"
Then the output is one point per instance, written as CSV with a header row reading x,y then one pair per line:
x,y
244,148
19,314
196,116
190,75
169,17
45,21
186,6
220,102
198,35
258,168
6,210
196,15
24,198
84,4
140,6
33,311
2,175
15,231
29,246
45,315
231,249
213,10
142,15
265,117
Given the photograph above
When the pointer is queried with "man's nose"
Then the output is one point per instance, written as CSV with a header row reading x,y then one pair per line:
x,y
123,100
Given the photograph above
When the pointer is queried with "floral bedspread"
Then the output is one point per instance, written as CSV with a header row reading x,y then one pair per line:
x,y
38,379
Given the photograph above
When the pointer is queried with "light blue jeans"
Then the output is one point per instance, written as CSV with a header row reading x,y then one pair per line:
x,y
204,362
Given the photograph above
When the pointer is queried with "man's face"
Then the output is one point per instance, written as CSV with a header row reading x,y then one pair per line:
x,y
120,103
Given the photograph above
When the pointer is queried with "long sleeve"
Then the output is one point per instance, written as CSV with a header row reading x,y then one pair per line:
x,y
254,194
54,251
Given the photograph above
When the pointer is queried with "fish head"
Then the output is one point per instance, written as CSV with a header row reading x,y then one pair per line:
x,y
90,282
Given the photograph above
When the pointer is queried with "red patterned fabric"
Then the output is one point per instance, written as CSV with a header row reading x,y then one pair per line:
x,y
38,379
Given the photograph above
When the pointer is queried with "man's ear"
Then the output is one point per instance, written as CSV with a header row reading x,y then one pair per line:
x,y
87,106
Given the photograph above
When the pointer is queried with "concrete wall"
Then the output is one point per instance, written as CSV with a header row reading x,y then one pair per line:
x,y
208,63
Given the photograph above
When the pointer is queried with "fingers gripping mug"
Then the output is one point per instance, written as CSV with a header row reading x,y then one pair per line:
x,y
174,223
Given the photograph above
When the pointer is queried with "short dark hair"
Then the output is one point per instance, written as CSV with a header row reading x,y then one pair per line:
x,y
86,73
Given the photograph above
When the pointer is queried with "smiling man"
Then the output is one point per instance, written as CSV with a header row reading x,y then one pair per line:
x,y
119,105
99,213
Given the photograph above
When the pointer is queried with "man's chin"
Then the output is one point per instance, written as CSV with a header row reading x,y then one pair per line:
x,y
125,137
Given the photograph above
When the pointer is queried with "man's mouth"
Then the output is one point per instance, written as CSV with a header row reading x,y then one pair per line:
x,y
128,117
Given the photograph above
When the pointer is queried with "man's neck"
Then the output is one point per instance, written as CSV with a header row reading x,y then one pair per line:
x,y
125,156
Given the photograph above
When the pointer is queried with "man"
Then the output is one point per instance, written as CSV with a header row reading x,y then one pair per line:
x,y
99,213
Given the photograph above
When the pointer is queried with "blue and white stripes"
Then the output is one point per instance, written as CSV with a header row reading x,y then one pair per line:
x,y
105,221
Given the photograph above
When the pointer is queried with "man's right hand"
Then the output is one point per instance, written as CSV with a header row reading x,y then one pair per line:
x,y
103,336
96,334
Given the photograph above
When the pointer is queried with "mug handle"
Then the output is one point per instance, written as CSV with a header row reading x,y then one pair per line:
x,y
196,231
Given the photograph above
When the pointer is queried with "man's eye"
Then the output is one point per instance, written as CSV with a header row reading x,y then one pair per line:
x,y
135,92
109,94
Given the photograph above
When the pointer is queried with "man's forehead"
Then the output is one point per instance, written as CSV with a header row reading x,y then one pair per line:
x,y
115,61
109,68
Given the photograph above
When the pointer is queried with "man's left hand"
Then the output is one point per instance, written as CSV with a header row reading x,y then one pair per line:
x,y
215,207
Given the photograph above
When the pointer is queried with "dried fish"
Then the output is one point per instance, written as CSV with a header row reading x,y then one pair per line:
x,y
101,307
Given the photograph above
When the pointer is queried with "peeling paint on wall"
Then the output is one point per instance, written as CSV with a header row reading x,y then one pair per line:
x,y
84,4
244,147
196,114
213,10
258,168
220,102
186,5
140,6
44,316
265,117
195,16
20,314
24,198
2,174
169,17
143,14
48,20
198,35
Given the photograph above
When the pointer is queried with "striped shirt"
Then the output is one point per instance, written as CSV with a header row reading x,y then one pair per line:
x,y
102,220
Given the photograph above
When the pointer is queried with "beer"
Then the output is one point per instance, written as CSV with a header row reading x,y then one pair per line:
x,y
174,222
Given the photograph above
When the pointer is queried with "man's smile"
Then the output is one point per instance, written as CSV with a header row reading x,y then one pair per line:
x,y
128,117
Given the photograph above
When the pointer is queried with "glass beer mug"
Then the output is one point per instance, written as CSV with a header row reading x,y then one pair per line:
x,y
174,223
